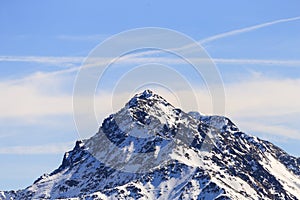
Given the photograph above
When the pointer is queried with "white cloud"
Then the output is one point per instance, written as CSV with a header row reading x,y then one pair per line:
x,y
262,97
262,128
58,148
34,96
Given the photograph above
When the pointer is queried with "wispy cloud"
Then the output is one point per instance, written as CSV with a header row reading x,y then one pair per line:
x,y
50,60
277,62
263,97
247,29
35,95
57,148
75,62
261,128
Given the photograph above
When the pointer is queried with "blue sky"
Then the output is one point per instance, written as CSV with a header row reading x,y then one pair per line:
x,y
255,45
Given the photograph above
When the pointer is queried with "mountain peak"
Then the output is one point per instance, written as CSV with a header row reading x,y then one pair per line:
x,y
152,150
147,105
146,93
144,97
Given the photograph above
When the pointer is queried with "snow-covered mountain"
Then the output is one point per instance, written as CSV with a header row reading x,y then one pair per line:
x,y
152,150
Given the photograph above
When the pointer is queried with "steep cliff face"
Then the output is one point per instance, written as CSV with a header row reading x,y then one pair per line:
x,y
152,150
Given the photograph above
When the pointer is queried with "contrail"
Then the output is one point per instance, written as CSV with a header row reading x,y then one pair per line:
x,y
247,29
223,35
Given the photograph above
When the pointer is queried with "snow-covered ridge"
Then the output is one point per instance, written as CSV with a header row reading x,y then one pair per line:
x,y
141,159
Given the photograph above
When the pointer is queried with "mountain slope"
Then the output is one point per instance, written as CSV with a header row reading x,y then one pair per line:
x,y
152,150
